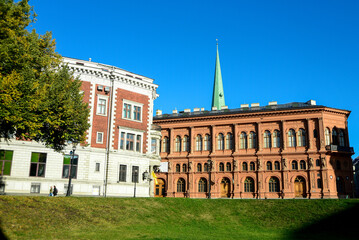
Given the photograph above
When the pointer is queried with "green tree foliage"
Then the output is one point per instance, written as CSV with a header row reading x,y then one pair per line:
x,y
39,97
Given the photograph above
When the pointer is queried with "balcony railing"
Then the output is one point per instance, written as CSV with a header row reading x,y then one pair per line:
x,y
339,148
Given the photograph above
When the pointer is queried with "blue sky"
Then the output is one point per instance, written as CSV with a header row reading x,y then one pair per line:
x,y
284,51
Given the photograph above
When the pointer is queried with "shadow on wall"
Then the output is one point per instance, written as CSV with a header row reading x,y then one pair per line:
x,y
342,225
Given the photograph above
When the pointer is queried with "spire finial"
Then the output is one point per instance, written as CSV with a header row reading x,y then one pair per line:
x,y
217,41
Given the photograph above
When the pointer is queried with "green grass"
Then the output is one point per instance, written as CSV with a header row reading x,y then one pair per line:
x,y
169,218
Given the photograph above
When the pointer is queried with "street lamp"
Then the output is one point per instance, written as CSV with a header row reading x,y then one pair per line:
x,y
209,168
72,154
136,179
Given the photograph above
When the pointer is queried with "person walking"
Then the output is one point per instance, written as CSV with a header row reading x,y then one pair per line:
x,y
51,192
55,191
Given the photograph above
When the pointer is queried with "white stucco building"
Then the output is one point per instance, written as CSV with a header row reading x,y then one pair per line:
x,y
121,143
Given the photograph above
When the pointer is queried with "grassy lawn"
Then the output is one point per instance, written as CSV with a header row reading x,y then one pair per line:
x,y
169,218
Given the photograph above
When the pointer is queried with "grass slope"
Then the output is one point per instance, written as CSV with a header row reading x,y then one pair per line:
x,y
169,218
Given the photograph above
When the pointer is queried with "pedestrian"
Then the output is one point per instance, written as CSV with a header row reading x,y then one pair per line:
x,y
55,191
51,192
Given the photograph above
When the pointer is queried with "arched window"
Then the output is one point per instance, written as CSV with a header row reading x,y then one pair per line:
x,y
273,184
229,141
199,167
294,165
205,167
186,144
243,140
178,168
291,138
269,166
252,140
220,142
178,144
228,167
207,142
202,185
334,137
340,185
221,167
317,163
267,139
276,165
184,168
302,164
301,138
181,185
276,139
165,145
252,166
327,136
244,166
249,185
199,143
341,138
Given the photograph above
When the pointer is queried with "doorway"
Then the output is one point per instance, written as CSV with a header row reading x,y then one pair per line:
x,y
299,187
160,188
225,188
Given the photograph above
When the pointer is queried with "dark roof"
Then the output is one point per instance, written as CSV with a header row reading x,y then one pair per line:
x,y
269,108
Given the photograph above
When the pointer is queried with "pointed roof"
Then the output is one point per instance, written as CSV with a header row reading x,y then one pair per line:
x,y
218,93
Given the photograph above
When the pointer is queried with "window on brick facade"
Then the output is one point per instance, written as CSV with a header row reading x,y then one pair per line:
x,y
181,185
301,138
252,166
302,164
243,140
327,136
186,144
67,167
341,138
99,137
276,139
178,143
229,141
38,164
267,139
5,162
132,111
244,166
202,185
101,106
165,145
252,140
130,141
199,167
199,143
292,138
207,142
220,142
249,185
138,143
276,165
334,137
273,184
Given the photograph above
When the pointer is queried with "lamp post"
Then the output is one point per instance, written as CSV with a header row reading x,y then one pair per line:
x,y
72,154
209,168
136,179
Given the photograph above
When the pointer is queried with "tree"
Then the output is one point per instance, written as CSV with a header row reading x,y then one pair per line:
x,y
40,99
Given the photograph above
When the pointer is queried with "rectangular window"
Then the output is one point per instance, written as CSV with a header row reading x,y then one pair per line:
x,y
101,106
138,143
153,145
132,110
126,111
67,166
38,164
97,167
35,188
135,172
5,162
122,141
130,140
137,113
99,138
123,173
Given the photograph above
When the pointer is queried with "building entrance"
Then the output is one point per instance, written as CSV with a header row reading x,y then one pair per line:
x,y
299,187
160,188
225,188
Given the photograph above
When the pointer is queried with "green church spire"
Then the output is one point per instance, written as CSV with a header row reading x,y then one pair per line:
x,y
218,93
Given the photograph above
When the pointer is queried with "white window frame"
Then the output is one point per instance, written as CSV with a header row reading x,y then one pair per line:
x,y
97,137
101,97
130,131
132,115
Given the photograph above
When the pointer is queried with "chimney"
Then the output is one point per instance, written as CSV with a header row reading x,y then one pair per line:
x,y
158,112
272,103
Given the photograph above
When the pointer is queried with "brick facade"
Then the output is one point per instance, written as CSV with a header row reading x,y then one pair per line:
x,y
274,164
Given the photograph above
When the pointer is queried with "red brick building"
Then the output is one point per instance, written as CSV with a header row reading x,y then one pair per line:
x,y
276,151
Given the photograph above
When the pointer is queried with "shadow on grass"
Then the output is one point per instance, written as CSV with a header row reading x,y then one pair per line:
x,y
341,225
2,235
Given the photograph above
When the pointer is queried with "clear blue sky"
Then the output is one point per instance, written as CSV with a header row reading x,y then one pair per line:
x,y
284,51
